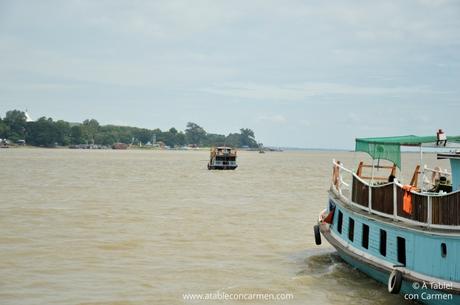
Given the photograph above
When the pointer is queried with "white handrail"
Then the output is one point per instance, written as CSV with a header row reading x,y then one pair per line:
x,y
428,194
397,183
445,172
395,215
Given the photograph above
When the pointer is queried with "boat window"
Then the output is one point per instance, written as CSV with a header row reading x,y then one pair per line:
x,y
401,244
443,250
339,222
331,205
365,239
351,229
383,242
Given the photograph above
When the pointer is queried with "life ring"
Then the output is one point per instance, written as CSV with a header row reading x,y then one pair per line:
x,y
395,282
317,235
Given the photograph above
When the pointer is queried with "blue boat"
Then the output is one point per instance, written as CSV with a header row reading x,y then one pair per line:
x,y
406,236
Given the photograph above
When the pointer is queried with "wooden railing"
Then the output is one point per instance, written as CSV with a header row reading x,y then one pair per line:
x,y
419,206
387,200
446,209
382,198
360,192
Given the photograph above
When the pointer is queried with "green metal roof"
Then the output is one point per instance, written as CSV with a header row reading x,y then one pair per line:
x,y
409,140
389,148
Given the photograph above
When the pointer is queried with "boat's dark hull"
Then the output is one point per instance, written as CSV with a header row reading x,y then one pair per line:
x,y
222,167
381,274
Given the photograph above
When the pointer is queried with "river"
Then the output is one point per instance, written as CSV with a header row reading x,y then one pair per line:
x,y
146,227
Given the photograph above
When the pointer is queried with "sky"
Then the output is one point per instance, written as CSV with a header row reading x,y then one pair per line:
x,y
312,74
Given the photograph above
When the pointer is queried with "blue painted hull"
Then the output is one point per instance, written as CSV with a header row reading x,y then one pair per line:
x,y
426,296
422,260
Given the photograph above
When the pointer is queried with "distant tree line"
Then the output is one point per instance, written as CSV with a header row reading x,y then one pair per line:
x,y
48,133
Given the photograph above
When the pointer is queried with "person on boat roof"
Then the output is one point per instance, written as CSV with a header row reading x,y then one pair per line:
x,y
441,136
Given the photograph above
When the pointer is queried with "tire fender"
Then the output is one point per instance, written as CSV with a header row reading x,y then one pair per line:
x,y
317,234
395,282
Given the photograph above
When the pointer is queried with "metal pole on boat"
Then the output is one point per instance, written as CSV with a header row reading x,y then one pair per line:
x,y
369,204
423,170
372,171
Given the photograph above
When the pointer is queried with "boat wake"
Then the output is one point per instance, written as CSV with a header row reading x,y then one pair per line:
x,y
318,262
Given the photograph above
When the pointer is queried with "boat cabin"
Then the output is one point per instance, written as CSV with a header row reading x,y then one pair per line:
x,y
430,199
455,166
222,157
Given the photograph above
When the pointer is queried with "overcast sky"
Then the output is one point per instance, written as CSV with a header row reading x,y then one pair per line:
x,y
299,73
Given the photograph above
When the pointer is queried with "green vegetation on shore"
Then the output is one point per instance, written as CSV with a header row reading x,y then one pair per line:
x,y
48,133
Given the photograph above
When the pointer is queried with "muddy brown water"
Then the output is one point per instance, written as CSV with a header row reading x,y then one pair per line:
x,y
146,227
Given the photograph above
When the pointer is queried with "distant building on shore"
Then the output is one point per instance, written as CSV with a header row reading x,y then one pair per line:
x,y
120,146
28,117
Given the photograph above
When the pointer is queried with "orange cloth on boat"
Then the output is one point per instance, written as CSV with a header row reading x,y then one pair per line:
x,y
329,217
407,199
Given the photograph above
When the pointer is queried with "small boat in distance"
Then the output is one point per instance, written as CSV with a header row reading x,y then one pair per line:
x,y
261,148
222,157
404,235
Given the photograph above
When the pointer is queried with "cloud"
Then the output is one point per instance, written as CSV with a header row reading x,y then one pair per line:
x,y
352,118
275,118
305,123
302,59
303,91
